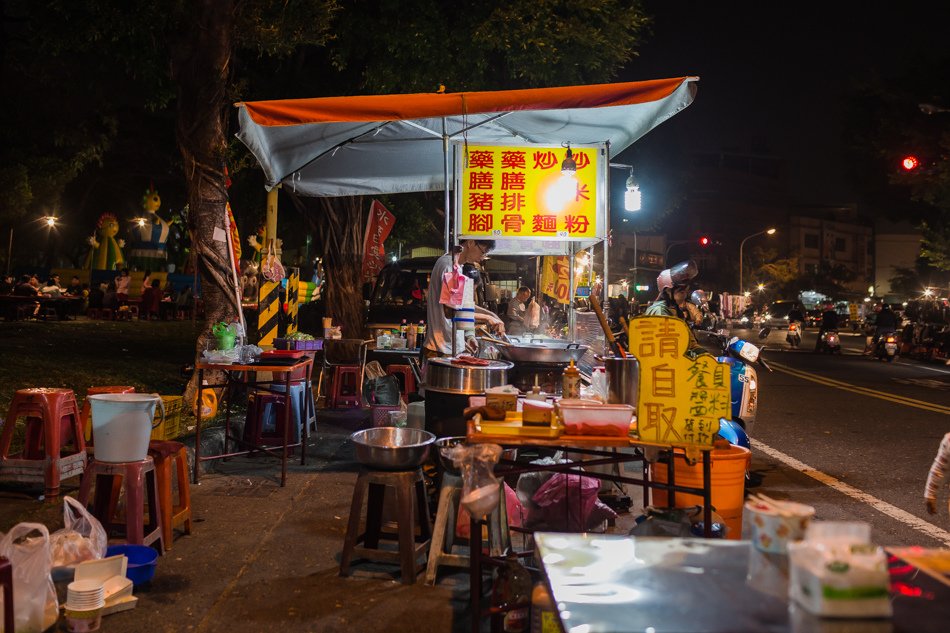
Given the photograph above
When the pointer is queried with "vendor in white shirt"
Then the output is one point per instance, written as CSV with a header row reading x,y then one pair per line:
x,y
517,309
438,341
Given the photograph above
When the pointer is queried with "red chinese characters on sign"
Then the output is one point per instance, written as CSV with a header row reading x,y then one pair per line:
x,y
481,180
512,223
576,224
545,160
544,224
512,181
481,158
480,201
512,201
512,160
480,222
378,226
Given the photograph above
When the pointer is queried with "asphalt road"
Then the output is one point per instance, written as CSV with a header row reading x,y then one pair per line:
x,y
852,436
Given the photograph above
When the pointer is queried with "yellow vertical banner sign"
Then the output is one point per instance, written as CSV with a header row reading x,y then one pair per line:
x,y
680,400
293,298
556,278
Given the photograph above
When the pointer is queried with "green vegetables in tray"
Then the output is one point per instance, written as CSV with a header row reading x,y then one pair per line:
x,y
300,336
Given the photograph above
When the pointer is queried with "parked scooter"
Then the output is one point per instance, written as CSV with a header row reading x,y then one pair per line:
x,y
794,334
888,347
829,342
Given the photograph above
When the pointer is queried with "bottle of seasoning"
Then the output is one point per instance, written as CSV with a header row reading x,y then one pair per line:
x,y
512,592
420,334
403,330
571,382
543,616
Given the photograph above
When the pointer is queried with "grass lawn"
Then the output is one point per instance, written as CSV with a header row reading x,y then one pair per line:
x,y
81,354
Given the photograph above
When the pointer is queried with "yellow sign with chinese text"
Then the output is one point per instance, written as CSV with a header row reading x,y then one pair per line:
x,y
556,278
680,400
515,192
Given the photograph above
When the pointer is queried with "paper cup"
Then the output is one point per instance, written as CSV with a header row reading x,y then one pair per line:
x,y
83,620
770,530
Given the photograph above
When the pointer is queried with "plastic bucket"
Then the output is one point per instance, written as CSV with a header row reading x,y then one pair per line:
x,y
727,480
122,424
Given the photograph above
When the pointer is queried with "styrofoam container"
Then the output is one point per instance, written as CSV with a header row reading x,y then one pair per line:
x,y
582,418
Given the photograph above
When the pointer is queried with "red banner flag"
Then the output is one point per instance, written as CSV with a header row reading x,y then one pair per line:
x,y
378,226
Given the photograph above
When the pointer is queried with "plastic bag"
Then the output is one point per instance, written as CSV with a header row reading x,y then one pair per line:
x,y
683,522
35,607
453,288
532,315
480,488
382,391
513,507
566,502
82,539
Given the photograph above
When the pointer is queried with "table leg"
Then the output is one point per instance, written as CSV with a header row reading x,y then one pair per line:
x,y
198,407
475,571
228,390
305,409
287,418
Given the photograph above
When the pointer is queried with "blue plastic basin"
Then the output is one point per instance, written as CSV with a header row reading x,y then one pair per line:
x,y
142,561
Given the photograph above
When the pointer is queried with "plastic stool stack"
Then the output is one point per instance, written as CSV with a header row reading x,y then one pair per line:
x,y
409,486
52,424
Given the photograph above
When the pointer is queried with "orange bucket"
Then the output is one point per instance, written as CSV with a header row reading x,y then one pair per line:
x,y
727,482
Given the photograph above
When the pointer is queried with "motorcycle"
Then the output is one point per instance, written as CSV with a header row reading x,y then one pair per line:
x,y
829,342
888,347
794,334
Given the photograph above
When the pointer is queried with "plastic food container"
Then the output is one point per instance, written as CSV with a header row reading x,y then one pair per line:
x,y
583,418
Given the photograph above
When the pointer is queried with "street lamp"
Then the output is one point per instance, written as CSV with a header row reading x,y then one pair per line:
x,y
50,222
742,244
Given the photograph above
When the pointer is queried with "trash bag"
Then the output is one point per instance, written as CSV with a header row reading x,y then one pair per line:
x,y
82,539
480,488
35,607
565,502
381,391
683,522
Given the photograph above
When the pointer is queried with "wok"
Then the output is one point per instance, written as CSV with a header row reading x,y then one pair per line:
x,y
537,350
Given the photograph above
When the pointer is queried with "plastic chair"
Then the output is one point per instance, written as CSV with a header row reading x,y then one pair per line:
x,y
346,358
141,486
163,453
52,424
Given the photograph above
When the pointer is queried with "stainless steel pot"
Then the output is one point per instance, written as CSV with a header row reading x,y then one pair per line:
x,y
392,448
623,380
442,376
539,350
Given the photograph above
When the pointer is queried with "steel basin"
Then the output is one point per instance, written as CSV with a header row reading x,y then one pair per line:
x,y
538,350
391,447
448,442
442,376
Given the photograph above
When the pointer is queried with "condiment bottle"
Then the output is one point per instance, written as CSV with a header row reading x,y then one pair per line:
x,y
420,334
544,618
571,382
403,329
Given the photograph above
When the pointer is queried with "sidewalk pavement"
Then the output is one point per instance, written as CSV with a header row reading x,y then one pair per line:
x,y
265,558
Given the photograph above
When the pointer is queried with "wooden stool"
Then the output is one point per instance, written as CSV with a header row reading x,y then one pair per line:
x,y
443,537
173,514
405,483
52,424
6,584
87,408
140,484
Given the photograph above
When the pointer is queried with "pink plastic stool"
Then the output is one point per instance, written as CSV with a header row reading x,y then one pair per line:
x,y
346,390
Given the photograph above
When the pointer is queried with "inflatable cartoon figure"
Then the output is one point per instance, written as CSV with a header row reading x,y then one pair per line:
x,y
106,253
150,248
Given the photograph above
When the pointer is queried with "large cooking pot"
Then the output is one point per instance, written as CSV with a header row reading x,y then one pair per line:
x,y
445,377
538,350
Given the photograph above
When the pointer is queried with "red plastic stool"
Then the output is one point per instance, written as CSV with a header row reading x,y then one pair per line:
x,y
173,514
86,408
407,382
6,584
345,389
254,432
141,485
52,424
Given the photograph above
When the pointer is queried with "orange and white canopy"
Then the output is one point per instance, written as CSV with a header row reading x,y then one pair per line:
x,y
379,144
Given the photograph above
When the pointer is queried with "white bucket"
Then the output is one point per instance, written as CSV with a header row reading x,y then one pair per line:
x,y
122,424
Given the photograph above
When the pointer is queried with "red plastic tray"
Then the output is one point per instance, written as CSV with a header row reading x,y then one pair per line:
x,y
283,353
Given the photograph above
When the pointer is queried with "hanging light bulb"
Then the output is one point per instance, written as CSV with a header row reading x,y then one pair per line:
x,y
632,200
569,165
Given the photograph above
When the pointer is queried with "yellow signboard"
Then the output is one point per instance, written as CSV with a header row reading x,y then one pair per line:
x,y
680,400
555,278
519,192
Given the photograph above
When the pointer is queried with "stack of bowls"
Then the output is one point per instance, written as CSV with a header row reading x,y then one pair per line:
x,y
84,602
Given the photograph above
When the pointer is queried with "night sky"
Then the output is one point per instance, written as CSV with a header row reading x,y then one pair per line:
x,y
772,75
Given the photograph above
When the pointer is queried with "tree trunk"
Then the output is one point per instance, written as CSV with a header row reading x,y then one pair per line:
x,y
201,68
339,224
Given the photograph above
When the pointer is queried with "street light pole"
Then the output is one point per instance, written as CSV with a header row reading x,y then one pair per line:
x,y
742,244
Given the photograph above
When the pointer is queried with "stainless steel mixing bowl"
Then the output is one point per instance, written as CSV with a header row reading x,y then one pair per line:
x,y
391,447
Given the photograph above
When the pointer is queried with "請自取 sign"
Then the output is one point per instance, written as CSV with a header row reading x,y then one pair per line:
x,y
520,192
681,400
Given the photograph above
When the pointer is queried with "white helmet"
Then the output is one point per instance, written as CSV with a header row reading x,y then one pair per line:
x,y
678,275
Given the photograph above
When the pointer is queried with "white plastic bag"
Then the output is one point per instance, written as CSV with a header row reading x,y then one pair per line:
x,y
35,607
532,317
480,488
82,539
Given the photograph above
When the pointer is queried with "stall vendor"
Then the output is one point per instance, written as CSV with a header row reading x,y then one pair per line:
x,y
438,341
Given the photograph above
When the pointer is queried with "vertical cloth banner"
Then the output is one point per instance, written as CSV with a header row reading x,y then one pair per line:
x,y
378,226
555,278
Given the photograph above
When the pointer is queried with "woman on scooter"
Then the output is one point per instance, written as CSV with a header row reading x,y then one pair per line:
x,y
673,287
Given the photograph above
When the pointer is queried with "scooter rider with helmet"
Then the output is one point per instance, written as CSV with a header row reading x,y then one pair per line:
x,y
673,287
829,323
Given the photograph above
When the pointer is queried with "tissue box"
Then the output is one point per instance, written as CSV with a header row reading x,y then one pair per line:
x,y
837,572
505,397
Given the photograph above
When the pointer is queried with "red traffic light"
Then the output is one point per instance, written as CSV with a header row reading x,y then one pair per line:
x,y
704,241
910,163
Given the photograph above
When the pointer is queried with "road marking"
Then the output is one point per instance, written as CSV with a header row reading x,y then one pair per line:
x,y
883,395
883,507
922,366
